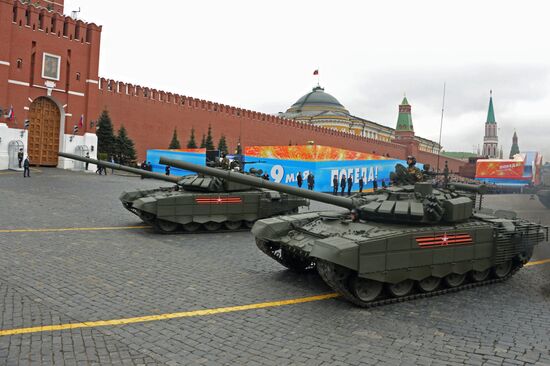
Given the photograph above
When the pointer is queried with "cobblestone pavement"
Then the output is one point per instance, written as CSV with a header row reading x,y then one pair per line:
x,y
78,276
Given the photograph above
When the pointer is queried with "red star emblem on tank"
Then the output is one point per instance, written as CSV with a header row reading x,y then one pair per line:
x,y
441,240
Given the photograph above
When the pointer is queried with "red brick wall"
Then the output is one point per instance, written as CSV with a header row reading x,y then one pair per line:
x,y
150,123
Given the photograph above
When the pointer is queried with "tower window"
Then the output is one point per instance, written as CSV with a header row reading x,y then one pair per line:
x,y
19,63
14,18
54,24
28,17
77,76
77,31
41,21
65,28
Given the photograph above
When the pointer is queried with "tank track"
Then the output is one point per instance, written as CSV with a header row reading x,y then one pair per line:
x,y
296,261
245,226
329,273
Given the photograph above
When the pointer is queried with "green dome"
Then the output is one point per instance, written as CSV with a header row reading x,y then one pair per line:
x,y
317,100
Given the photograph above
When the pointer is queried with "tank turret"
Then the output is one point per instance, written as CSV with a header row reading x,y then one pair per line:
x,y
200,202
396,244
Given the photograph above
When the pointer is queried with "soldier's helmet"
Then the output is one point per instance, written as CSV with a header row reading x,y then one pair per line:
x,y
411,161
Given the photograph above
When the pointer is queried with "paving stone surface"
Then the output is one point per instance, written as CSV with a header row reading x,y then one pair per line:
x,y
49,278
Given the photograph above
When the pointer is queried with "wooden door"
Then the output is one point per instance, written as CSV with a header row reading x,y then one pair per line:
x,y
43,143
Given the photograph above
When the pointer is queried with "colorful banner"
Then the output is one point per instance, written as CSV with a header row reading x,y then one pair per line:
x,y
522,171
195,156
499,169
286,171
308,153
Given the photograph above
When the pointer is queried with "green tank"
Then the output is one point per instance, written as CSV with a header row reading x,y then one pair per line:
x,y
396,244
199,202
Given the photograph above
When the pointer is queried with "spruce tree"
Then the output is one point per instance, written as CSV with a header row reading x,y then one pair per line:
x,y
203,141
222,145
209,142
191,144
175,143
106,141
125,150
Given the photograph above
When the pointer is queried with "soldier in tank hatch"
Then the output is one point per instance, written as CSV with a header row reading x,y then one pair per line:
x,y
335,185
413,170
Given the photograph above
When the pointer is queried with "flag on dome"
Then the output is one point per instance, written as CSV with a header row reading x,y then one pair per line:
x,y
316,72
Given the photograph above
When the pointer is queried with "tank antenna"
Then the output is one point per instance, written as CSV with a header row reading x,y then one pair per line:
x,y
441,127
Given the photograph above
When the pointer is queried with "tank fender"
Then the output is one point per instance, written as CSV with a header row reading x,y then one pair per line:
x,y
147,204
338,250
275,227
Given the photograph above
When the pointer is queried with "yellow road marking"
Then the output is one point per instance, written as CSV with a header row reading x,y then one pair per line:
x,y
535,263
183,314
45,230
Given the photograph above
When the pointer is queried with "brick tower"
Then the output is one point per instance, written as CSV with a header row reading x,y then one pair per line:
x,y
404,131
515,147
490,141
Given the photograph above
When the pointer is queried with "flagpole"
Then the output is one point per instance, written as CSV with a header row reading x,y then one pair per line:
x,y
441,127
318,77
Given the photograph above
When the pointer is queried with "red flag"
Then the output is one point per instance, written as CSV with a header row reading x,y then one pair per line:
x,y
316,72
81,122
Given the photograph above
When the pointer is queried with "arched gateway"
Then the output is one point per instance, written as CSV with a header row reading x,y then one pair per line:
x,y
45,121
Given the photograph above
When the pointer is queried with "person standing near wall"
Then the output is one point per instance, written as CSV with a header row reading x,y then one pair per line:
x,y
375,185
361,184
20,156
335,185
300,179
27,168
343,183
350,184
88,156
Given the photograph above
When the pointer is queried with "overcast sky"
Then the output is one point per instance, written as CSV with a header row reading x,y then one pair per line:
x,y
261,55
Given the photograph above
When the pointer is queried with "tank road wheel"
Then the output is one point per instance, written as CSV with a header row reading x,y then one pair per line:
x,y
401,289
191,226
212,226
502,270
296,262
429,284
249,224
366,290
166,227
478,276
147,217
232,225
454,279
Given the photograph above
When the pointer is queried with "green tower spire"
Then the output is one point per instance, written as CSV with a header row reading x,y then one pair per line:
x,y
515,147
404,120
491,112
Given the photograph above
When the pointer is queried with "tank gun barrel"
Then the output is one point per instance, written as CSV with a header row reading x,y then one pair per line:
x,y
141,172
261,183
480,189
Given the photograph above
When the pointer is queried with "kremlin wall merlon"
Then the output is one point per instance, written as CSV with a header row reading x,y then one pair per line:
x,y
28,32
